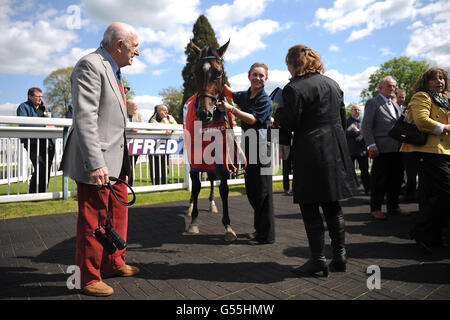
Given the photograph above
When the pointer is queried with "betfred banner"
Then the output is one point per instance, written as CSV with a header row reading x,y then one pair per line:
x,y
155,146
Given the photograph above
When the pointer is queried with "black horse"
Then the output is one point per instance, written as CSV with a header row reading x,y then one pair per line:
x,y
209,75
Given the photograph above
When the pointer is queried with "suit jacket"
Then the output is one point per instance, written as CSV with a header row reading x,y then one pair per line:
x,y
355,142
97,138
314,109
376,124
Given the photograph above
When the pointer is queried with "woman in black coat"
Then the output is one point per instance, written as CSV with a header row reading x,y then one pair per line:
x,y
313,108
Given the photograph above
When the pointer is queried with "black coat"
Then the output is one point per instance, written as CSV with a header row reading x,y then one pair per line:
x,y
314,109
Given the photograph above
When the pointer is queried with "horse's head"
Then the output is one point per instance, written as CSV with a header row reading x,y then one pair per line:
x,y
209,76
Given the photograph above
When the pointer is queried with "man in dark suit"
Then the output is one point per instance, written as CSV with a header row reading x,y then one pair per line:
x,y
357,146
380,115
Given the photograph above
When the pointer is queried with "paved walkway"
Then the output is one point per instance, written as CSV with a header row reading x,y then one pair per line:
x,y
36,252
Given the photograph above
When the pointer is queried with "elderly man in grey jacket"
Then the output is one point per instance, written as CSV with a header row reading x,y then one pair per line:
x,y
96,149
380,115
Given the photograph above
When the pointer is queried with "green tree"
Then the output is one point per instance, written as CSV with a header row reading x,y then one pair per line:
x,y
203,36
403,69
130,93
58,90
172,98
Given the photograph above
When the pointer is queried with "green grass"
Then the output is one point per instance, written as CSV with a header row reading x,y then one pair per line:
x,y
38,208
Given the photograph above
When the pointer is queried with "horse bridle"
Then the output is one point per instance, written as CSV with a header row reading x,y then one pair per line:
x,y
219,74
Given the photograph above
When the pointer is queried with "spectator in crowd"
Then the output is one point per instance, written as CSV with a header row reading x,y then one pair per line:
x,y
254,112
133,115
40,151
159,163
313,107
97,149
410,161
380,115
357,146
69,112
429,110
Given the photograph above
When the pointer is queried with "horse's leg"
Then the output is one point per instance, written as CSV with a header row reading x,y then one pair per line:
x,y
230,235
212,203
196,186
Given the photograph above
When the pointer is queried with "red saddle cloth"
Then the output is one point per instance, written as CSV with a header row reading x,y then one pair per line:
x,y
203,141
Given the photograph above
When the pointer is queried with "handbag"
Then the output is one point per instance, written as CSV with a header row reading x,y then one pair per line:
x,y
407,133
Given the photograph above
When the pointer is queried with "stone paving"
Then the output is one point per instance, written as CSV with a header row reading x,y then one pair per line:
x,y
37,251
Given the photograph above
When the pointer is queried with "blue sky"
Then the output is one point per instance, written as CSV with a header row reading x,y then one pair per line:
x,y
353,38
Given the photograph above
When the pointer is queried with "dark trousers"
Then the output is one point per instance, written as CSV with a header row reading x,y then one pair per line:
x,y
411,165
41,163
386,179
287,168
434,197
363,164
259,194
311,213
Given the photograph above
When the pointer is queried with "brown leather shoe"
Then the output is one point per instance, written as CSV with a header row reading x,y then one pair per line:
x,y
378,215
124,271
398,212
98,289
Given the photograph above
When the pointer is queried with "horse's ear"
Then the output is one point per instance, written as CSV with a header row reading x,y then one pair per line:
x,y
195,48
222,49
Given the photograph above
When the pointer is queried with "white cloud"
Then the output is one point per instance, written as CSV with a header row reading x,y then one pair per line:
x,y
32,47
8,109
352,85
432,43
155,56
137,67
334,48
229,14
366,15
247,39
157,14
387,52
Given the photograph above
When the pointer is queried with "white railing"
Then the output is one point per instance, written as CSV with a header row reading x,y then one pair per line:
x,y
16,167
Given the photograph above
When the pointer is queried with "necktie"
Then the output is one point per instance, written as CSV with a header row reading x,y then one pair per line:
x,y
119,83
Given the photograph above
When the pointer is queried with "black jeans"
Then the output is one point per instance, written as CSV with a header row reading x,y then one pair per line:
x,y
363,164
434,197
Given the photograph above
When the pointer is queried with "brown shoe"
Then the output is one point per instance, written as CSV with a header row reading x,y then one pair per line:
x,y
398,212
378,215
124,271
98,289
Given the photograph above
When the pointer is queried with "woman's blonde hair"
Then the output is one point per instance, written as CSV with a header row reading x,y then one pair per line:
x,y
304,60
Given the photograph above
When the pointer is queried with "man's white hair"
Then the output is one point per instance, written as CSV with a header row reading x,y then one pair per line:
x,y
116,31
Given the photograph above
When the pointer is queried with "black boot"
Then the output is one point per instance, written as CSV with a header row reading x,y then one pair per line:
x,y
317,262
336,230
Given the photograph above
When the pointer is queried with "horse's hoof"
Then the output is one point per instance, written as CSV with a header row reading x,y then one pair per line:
x,y
212,207
191,208
230,235
193,229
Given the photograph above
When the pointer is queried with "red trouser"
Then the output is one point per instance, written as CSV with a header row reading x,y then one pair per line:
x,y
90,256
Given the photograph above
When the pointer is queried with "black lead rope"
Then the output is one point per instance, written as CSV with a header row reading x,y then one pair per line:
x,y
110,239
110,187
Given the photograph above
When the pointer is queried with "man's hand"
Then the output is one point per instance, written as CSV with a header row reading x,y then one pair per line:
x,y
100,176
